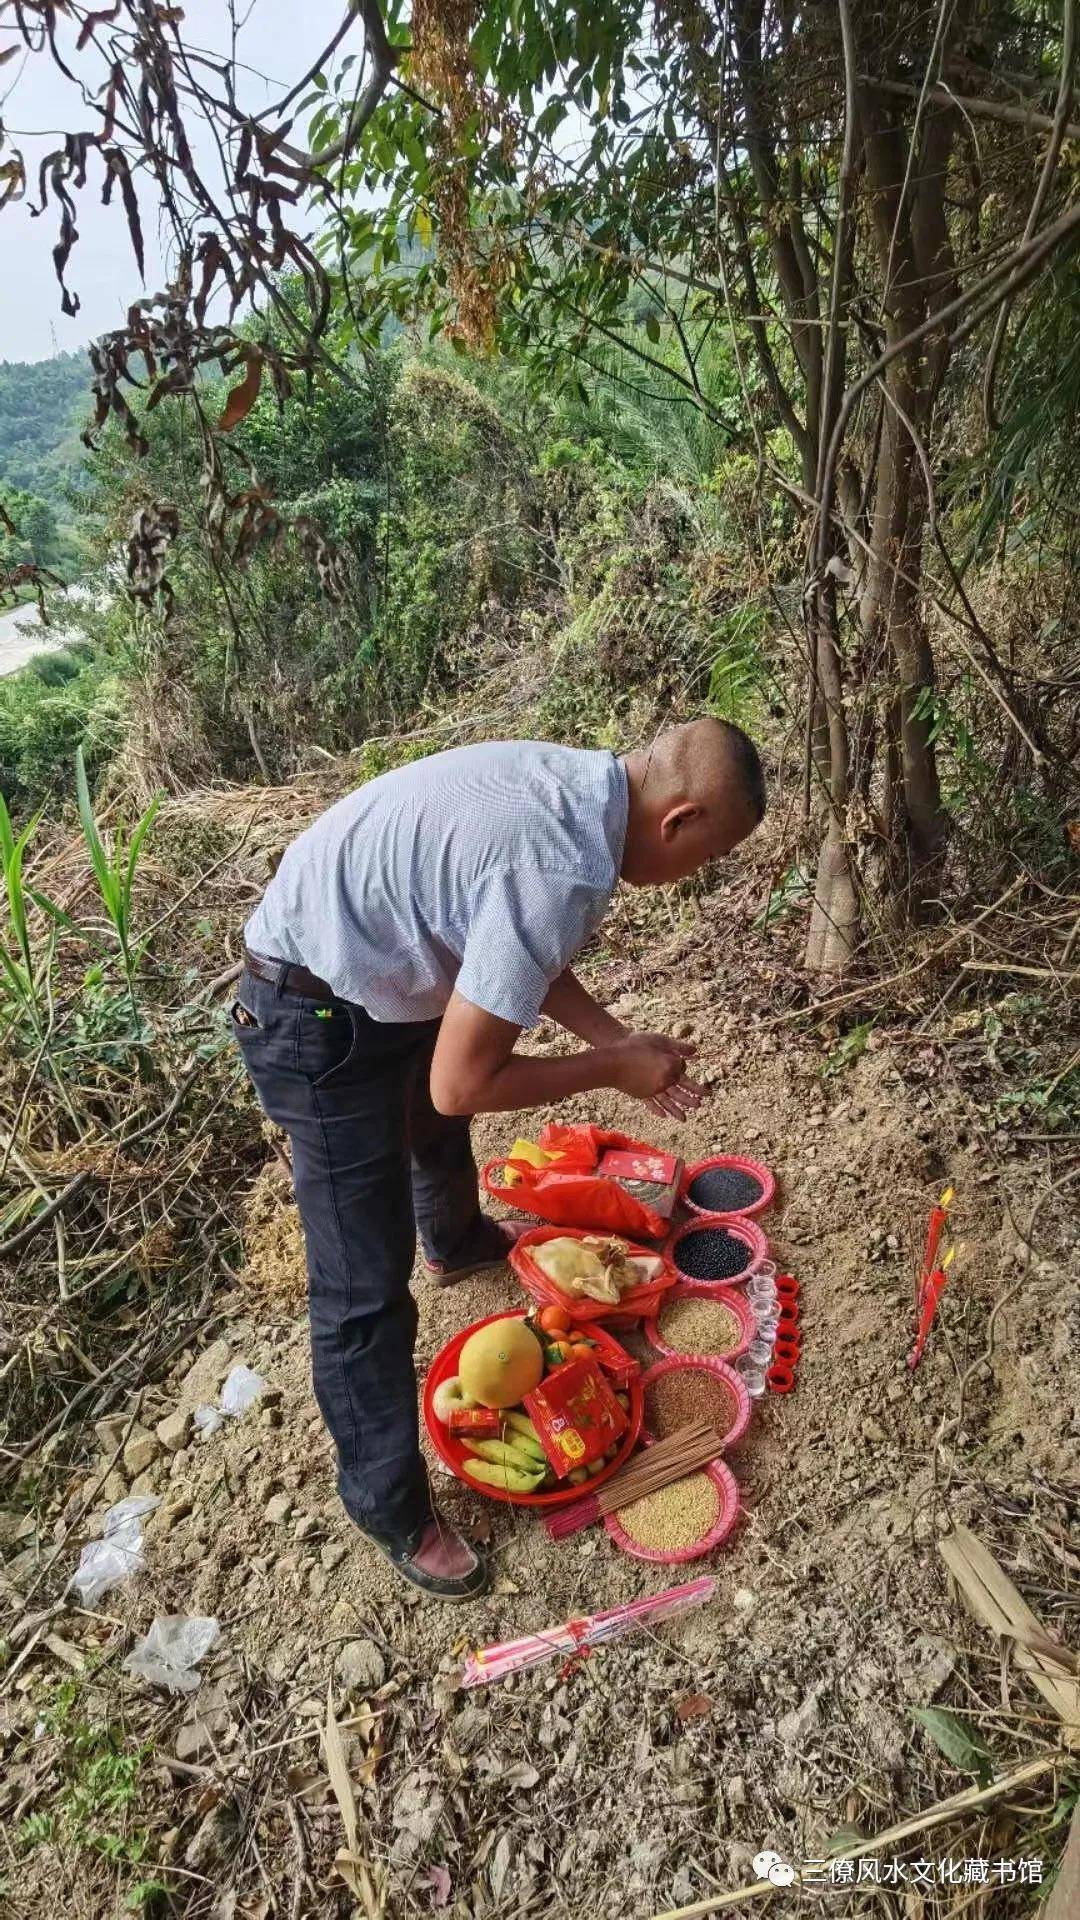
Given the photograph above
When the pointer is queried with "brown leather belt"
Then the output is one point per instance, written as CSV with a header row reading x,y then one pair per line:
x,y
292,979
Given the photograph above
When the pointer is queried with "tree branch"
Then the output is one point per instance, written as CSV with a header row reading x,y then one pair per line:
x,y
944,96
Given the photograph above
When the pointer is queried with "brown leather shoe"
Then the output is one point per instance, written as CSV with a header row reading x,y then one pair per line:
x,y
485,1255
439,1562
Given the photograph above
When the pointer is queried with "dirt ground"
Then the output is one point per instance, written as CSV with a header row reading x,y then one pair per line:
x,y
649,1775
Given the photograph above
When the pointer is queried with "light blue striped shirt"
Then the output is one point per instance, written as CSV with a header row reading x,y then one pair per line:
x,y
486,868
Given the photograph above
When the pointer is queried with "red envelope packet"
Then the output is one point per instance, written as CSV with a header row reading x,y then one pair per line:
x,y
483,1423
576,1415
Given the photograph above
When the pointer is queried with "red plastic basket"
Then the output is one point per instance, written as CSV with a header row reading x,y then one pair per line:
x,y
738,1164
450,1449
728,1513
707,1363
740,1228
639,1304
705,1290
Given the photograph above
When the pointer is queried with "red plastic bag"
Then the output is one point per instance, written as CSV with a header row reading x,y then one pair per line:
x,y
641,1303
570,1194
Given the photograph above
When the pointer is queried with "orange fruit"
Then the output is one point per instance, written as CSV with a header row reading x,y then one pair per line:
x,y
555,1320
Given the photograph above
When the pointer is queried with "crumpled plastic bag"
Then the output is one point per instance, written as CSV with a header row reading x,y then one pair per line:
x,y
118,1554
241,1390
169,1655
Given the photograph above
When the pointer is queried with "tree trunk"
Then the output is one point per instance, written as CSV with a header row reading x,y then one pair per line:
x,y
834,920
908,214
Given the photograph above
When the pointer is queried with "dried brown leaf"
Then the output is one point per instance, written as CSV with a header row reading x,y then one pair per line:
x,y
96,20
243,398
693,1706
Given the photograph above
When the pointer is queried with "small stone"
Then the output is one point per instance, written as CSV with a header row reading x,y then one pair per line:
x,y
305,1527
317,1583
333,1554
744,1600
11,1527
873,1431
360,1666
278,1508
270,1417
175,1430
110,1431
141,1448
894,1391
170,1515
796,1727
214,1842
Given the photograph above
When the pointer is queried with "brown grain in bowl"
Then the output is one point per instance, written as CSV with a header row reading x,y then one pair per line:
x,y
686,1394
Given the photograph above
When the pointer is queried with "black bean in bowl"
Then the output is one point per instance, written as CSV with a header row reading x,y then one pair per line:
x,y
724,1189
711,1253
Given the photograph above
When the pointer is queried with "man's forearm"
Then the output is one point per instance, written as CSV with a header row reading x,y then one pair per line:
x,y
528,1080
572,1006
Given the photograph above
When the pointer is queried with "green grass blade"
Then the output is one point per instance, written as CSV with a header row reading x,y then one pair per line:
x,y
139,833
99,859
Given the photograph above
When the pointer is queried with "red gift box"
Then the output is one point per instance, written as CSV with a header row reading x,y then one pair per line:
x,y
640,1172
576,1415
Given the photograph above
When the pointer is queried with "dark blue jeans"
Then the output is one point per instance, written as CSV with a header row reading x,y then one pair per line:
x,y
372,1162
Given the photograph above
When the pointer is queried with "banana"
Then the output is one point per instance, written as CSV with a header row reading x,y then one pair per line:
x,y
510,1479
501,1454
525,1435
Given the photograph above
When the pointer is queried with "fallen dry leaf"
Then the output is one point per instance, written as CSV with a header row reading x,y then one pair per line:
x,y
349,1862
303,1784
442,1886
693,1706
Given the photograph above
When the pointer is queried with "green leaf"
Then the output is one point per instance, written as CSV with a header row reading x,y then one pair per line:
x,y
846,1839
961,1744
135,848
98,858
652,327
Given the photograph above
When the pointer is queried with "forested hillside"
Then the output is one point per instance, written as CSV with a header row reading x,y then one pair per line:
x,y
43,407
43,404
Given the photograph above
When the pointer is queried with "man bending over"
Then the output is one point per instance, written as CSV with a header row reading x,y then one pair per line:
x,y
406,941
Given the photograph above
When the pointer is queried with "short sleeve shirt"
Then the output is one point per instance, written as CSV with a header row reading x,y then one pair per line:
x,y
486,868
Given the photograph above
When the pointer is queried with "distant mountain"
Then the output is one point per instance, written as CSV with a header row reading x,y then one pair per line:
x,y
43,404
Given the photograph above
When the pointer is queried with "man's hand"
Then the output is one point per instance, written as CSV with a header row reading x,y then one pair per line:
x,y
652,1067
476,1070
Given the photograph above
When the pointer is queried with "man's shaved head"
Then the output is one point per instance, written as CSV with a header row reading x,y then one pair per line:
x,y
704,758
695,792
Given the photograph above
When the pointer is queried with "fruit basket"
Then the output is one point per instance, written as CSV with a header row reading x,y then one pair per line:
x,y
450,1449
639,1303
727,1183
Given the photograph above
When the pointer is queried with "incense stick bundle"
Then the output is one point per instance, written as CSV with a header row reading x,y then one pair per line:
x,y
655,1467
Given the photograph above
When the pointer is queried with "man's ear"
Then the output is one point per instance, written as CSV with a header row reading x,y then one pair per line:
x,y
677,818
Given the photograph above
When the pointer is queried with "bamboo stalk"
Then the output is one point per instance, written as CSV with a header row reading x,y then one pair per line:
x,y
957,1803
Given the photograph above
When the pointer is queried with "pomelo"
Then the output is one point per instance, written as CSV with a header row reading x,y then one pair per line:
x,y
500,1363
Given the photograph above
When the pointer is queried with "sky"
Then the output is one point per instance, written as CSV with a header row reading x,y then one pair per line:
x,y
276,39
